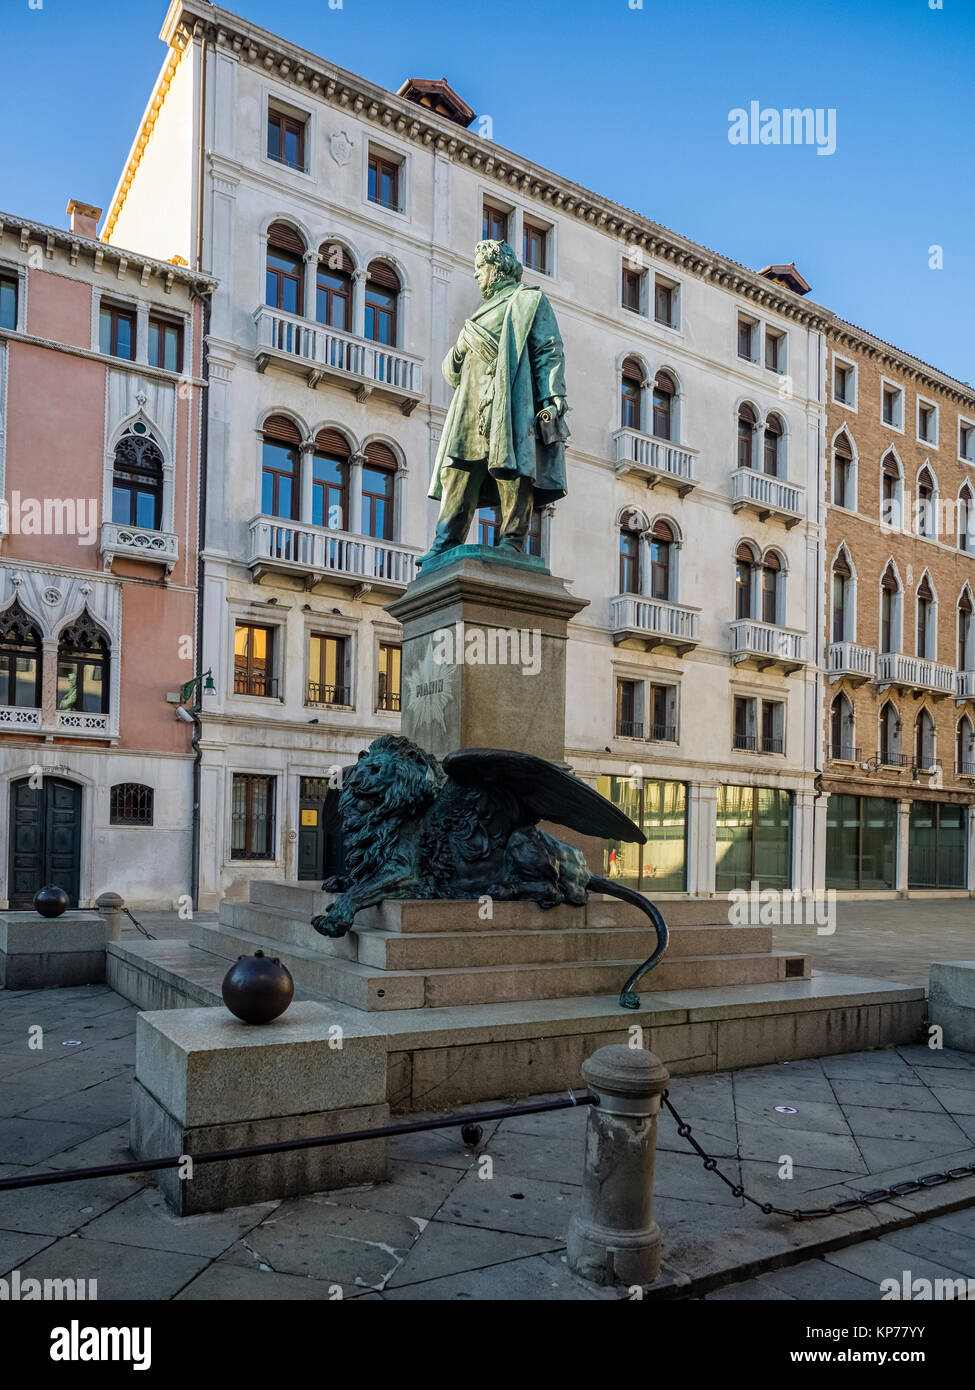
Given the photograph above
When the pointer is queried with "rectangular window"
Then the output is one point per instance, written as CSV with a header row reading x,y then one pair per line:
x,y
494,224
747,335
633,290
927,423
384,181
536,250
663,725
328,681
773,725
665,302
254,660
966,441
843,383
937,845
660,810
8,301
893,406
629,721
774,350
861,839
389,683
116,332
166,344
286,139
252,817
745,736
754,838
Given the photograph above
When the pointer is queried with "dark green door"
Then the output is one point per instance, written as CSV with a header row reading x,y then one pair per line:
x,y
319,838
45,839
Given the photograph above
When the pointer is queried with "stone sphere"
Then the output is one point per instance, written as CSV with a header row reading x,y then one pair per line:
x,y
257,988
51,901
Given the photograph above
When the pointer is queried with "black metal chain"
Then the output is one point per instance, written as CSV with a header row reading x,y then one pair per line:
x,y
863,1199
144,930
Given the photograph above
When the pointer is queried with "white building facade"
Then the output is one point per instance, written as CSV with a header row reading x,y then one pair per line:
x,y
339,220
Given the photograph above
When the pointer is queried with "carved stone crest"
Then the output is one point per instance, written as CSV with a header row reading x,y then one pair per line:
x,y
340,147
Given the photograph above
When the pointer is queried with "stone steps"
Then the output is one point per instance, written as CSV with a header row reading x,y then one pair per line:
x,y
369,986
306,900
391,950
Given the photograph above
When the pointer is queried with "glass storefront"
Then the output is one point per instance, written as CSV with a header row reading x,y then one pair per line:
x,y
938,845
861,842
754,838
660,810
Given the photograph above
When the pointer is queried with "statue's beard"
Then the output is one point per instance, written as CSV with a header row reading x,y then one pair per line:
x,y
498,282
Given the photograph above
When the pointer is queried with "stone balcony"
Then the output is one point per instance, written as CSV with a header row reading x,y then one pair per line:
x,y
651,622
656,461
856,664
964,686
135,543
14,718
315,553
915,673
79,722
319,353
767,497
765,645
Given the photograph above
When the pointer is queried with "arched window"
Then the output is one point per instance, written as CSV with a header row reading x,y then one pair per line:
x,y
772,449
382,303
843,473
661,548
966,519
842,579
130,803
966,632
137,480
83,667
927,643
965,748
631,395
747,421
888,753
891,508
744,581
378,491
330,480
925,521
841,730
664,396
285,269
771,583
20,659
630,577
889,611
333,286
280,489
924,742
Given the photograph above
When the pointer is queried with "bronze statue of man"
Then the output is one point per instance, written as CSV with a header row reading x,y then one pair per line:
x,y
503,442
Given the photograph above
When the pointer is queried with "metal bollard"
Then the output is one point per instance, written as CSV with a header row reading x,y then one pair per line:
x,y
613,1238
110,906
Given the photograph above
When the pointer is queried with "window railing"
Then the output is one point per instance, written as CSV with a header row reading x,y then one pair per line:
x,y
895,668
389,700
844,753
927,764
773,745
662,733
628,728
745,743
887,758
319,694
965,769
254,683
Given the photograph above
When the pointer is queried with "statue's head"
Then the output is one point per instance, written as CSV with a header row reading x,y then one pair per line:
x,y
495,265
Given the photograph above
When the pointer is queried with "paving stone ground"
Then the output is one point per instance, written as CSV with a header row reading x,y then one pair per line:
x,y
490,1224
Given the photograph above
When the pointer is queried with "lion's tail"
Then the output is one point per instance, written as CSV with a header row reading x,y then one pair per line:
x,y
629,999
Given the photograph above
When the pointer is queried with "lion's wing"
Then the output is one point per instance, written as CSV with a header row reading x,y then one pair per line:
x,y
546,791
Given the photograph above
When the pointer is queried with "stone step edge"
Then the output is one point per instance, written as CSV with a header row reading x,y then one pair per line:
x,y
357,968
825,1234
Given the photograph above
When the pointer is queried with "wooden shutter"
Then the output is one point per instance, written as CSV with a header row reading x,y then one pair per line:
x,y
632,371
889,580
382,273
281,429
841,566
965,603
332,442
380,455
744,556
890,467
334,256
771,561
662,532
924,589
284,237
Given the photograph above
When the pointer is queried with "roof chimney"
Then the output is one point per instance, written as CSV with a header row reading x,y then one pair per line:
x,y
84,218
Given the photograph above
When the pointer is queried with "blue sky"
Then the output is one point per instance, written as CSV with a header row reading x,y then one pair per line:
x,y
632,102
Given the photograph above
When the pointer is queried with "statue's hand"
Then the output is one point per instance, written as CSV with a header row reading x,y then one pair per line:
x,y
556,403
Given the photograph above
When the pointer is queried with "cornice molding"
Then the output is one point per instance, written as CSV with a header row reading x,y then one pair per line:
x,y
848,335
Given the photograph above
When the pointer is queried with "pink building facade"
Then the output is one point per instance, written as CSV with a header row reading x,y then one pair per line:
x,y
101,407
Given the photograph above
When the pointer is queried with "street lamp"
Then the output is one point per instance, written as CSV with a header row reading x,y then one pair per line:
x,y
208,686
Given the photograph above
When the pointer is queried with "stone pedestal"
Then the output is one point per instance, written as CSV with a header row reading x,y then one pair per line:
x,y
484,641
204,1082
37,952
951,1002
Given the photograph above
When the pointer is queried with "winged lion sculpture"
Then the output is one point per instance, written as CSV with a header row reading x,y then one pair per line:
x,y
414,827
